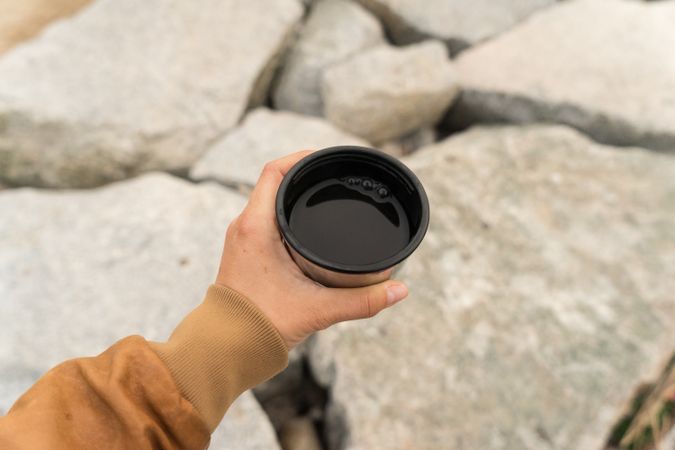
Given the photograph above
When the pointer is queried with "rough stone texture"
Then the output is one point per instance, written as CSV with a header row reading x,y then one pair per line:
x,y
540,298
125,87
603,66
245,427
265,135
136,256
21,20
335,30
387,92
669,441
459,23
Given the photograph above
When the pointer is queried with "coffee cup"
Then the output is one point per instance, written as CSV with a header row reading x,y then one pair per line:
x,y
349,216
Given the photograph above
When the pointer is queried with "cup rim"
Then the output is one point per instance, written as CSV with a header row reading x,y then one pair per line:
x,y
290,238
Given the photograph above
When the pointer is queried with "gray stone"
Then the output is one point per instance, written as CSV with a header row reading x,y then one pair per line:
x,y
669,441
126,87
387,92
136,256
605,67
335,30
265,135
459,23
245,427
540,298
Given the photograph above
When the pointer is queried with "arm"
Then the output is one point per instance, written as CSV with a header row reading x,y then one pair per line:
x,y
173,394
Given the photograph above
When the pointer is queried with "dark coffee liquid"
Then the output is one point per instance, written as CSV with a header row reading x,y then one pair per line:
x,y
352,220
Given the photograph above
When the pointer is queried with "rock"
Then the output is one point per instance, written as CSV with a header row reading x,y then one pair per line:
x,y
612,78
265,135
540,299
669,441
245,426
410,143
387,92
460,23
136,255
300,434
133,87
335,30
21,20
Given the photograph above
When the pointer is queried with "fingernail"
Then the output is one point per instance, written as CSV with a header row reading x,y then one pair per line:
x,y
396,293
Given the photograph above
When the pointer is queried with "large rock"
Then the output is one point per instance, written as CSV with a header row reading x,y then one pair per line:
x,y
135,256
387,92
459,23
265,135
335,30
603,66
126,87
21,20
541,297
245,427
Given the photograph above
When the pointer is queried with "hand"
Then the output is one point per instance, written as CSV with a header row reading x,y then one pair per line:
x,y
255,263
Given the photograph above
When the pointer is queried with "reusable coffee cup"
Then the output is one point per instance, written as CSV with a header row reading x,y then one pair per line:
x,y
350,215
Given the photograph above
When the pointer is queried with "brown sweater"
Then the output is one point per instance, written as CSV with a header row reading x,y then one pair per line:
x,y
147,395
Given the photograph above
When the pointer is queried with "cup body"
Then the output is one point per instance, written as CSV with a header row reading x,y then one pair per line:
x,y
351,161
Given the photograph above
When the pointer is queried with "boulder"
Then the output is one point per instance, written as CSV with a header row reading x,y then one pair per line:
x,y
612,78
136,256
126,87
265,135
388,92
335,30
460,23
245,427
24,19
540,299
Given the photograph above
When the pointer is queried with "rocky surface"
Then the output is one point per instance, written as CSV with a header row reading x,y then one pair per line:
x,y
540,299
387,92
245,427
669,441
460,23
133,87
21,20
335,30
613,78
265,135
136,256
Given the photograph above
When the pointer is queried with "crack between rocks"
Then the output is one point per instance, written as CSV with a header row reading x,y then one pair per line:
x,y
296,405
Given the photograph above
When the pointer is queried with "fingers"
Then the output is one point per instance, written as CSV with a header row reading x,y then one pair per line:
x,y
261,201
360,303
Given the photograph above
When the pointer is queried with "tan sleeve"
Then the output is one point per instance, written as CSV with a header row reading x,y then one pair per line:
x,y
144,395
124,398
223,347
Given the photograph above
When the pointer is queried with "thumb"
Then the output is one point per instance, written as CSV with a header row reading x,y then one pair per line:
x,y
364,302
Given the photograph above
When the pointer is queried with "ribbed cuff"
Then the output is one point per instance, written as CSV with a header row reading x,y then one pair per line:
x,y
223,347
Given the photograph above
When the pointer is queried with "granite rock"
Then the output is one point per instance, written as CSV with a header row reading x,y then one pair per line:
x,y
136,255
335,30
460,23
388,92
612,78
540,299
126,87
265,135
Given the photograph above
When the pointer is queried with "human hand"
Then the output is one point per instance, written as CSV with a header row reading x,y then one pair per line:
x,y
255,263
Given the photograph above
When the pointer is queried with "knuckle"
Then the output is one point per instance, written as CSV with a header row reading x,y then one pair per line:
x,y
370,305
270,166
246,226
